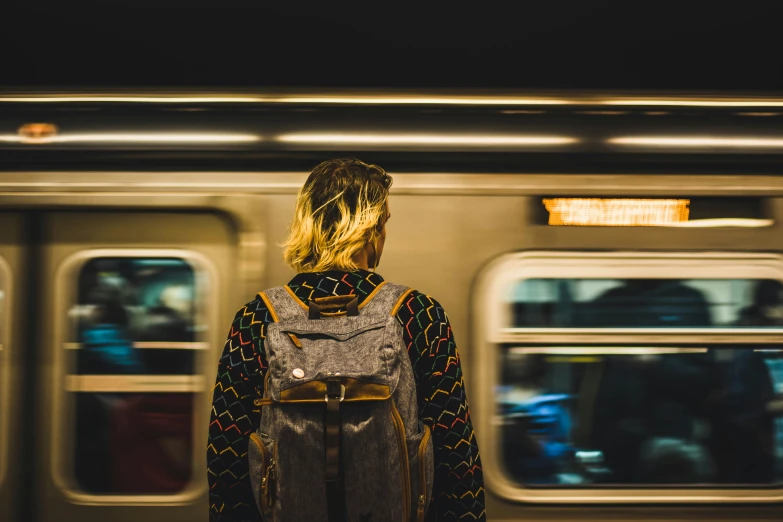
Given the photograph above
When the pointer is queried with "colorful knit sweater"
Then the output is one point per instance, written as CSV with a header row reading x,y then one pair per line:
x,y
459,484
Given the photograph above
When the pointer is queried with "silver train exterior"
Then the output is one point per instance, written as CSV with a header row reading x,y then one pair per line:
x,y
122,192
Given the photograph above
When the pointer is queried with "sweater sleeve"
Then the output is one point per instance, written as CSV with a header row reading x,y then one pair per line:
x,y
459,483
240,378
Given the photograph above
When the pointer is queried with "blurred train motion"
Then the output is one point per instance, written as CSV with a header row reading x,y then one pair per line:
x,y
612,266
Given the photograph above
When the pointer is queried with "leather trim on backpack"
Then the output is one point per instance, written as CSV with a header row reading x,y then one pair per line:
x,y
329,314
355,390
269,306
400,301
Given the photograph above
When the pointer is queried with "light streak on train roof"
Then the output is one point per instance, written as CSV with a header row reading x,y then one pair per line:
x,y
316,99
698,141
397,99
725,222
132,138
696,102
132,99
425,139
601,350
423,100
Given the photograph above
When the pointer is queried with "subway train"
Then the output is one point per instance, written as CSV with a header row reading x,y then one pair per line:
x,y
612,266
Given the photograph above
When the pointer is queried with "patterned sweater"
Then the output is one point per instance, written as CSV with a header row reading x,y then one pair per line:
x,y
459,485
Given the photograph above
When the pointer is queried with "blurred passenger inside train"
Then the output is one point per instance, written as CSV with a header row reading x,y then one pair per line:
x,y
767,307
537,423
665,460
336,241
106,344
150,443
651,303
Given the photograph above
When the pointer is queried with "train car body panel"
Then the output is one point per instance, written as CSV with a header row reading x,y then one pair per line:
x,y
176,203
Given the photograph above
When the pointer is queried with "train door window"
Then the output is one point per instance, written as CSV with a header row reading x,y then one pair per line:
x,y
5,282
661,375
134,345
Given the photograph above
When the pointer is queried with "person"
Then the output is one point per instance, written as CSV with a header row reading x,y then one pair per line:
x,y
337,236
107,345
537,429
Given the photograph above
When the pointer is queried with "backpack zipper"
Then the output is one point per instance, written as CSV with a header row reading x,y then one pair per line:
x,y
422,474
269,467
404,464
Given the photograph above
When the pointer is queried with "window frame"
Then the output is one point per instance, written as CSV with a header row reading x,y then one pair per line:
x,y
66,385
491,313
6,285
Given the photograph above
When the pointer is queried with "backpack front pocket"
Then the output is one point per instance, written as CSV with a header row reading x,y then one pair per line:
x,y
262,460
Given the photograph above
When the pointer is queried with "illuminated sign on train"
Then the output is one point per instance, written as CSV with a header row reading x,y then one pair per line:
x,y
616,212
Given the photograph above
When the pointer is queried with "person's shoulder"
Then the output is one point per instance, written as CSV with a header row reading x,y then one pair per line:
x,y
253,312
415,302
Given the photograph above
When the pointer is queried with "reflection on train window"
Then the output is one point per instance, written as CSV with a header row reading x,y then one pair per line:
x,y
641,415
135,316
133,443
134,345
647,303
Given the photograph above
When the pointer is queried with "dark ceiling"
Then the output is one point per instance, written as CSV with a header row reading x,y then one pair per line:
x,y
617,45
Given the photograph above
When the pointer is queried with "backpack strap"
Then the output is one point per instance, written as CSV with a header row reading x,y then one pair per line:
x,y
385,300
401,301
335,486
269,306
283,304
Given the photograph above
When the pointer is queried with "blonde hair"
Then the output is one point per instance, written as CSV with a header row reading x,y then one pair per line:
x,y
340,208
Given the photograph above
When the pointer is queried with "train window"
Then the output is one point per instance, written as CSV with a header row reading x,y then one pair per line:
x,y
641,415
647,303
647,371
132,362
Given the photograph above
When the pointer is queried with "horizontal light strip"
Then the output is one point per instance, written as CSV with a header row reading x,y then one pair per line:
x,y
154,346
698,141
133,138
134,383
423,139
132,99
695,103
724,222
738,332
421,100
603,350
319,100
398,99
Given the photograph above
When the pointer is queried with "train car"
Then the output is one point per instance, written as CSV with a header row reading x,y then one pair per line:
x,y
612,266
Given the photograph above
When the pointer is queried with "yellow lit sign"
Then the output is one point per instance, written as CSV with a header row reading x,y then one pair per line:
x,y
617,212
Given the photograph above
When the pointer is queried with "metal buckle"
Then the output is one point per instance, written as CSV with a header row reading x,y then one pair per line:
x,y
342,394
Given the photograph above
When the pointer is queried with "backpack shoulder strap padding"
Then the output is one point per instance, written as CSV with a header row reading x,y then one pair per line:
x,y
283,304
401,300
269,306
383,300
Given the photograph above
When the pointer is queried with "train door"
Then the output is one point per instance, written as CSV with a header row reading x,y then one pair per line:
x,y
12,386
132,315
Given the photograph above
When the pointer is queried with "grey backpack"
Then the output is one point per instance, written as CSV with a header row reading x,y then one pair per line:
x,y
339,438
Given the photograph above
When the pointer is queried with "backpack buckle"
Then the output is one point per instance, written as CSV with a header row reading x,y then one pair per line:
x,y
341,397
332,392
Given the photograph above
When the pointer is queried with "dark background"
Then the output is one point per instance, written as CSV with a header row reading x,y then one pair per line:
x,y
556,44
